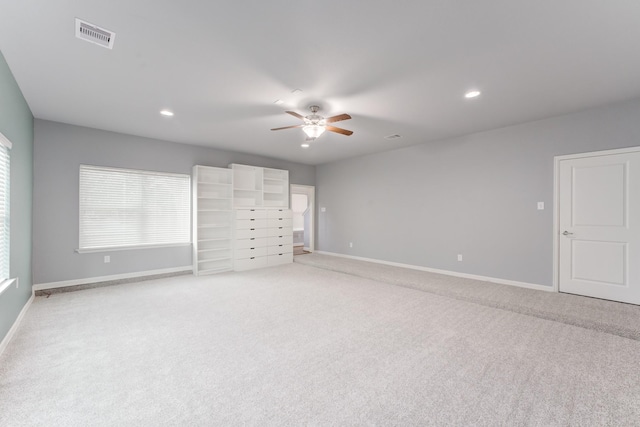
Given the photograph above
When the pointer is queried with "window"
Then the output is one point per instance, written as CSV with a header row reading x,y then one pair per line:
x,y
5,146
123,208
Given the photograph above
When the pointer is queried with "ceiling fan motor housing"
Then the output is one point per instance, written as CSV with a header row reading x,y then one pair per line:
x,y
313,118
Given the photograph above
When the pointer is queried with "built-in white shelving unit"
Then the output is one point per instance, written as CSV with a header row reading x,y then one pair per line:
x,y
212,220
263,223
241,218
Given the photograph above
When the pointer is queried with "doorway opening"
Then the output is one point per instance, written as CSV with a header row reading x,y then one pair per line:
x,y
303,207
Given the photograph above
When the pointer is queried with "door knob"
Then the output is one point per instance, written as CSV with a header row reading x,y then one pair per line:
x,y
566,233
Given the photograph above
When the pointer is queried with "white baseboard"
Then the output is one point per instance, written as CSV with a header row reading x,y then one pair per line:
x,y
89,280
447,272
16,324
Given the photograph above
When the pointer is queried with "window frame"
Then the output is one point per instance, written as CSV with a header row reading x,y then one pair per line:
x,y
5,282
93,249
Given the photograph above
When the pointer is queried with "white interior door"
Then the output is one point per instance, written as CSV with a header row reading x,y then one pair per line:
x,y
599,226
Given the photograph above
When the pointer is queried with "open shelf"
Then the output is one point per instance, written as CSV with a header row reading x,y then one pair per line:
x,y
212,219
223,258
201,251
259,187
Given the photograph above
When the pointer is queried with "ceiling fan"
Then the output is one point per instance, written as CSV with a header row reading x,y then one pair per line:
x,y
314,125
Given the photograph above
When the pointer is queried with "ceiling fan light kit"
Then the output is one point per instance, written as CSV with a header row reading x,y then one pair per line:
x,y
315,125
313,131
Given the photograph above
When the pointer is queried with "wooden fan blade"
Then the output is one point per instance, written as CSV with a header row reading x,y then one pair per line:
x,y
288,127
339,130
337,118
294,114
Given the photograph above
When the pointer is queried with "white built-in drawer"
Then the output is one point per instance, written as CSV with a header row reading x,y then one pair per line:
x,y
250,252
280,231
250,263
251,243
280,240
280,259
245,224
279,213
251,233
251,214
279,222
279,249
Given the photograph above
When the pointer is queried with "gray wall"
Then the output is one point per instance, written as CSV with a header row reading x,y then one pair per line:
x,y
59,149
475,195
16,123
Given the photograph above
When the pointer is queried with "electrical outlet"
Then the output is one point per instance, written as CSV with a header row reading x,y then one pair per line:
x,y
540,206
107,259
459,257
323,209
350,244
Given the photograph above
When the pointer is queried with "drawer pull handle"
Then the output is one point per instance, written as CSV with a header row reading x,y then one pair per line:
x,y
253,238
252,248
252,257
252,229
252,219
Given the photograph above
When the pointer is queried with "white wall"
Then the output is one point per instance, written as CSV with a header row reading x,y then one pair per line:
x,y
16,123
475,195
59,149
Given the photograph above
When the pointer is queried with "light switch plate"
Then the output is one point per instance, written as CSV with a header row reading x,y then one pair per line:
x,y
540,206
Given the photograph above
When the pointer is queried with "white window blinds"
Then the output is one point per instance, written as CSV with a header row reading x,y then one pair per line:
x,y
122,208
5,192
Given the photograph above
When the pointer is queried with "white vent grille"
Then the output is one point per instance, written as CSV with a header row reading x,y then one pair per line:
x,y
396,136
94,34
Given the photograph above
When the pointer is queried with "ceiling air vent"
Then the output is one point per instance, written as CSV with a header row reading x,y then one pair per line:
x,y
94,34
396,136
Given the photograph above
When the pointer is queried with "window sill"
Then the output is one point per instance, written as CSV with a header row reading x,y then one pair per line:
x,y
6,284
126,248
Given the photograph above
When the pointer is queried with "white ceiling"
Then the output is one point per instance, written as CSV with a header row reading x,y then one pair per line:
x,y
397,67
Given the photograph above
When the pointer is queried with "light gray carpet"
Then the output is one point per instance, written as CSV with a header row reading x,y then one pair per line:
x,y
296,345
592,313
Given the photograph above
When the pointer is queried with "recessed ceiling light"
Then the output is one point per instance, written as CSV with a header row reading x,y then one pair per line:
x,y
278,102
472,94
395,136
167,113
304,145
296,91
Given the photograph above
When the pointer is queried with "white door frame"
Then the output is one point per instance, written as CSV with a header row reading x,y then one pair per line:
x,y
310,192
556,201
